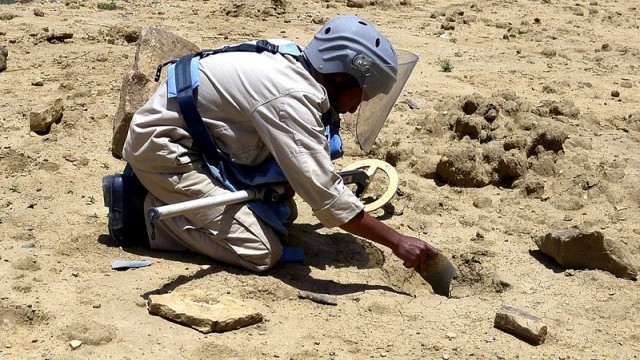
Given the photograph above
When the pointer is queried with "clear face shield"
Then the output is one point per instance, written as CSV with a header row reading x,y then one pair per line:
x,y
379,96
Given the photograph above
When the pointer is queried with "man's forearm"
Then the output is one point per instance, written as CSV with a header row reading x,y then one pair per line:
x,y
413,252
368,227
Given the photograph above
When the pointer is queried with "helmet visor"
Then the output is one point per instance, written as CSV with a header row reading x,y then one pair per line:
x,y
377,101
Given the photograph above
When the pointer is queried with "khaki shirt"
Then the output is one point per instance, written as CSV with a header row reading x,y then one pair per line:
x,y
253,105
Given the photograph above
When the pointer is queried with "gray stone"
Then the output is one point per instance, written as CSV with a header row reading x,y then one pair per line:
x,y
589,250
43,115
3,58
154,47
521,324
359,4
204,314
58,37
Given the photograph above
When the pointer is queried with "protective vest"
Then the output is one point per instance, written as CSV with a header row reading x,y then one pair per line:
x,y
182,81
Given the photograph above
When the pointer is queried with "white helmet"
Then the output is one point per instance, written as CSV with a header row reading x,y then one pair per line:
x,y
352,45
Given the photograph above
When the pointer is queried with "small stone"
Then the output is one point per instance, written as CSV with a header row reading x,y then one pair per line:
x,y
75,344
451,335
359,4
548,52
38,12
568,217
448,26
626,84
615,93
605,47
569,272
37,82
3,58
97,306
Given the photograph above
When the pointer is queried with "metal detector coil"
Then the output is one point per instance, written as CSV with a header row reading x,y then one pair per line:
x,y
372,167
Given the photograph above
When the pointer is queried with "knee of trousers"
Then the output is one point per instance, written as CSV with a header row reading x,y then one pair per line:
x,y
263,260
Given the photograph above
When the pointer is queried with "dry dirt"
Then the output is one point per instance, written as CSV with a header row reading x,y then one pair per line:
x,y
546,68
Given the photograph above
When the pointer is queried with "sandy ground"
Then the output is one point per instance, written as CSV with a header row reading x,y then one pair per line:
x,y
55,254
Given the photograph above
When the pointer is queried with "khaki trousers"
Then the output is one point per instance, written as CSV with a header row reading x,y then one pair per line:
x,y
231,234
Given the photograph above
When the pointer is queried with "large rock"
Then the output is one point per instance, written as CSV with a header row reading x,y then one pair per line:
x,y
154,47
202,313
43,115
588,250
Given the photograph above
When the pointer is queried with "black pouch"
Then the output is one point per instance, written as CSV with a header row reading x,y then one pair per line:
x,y
124,196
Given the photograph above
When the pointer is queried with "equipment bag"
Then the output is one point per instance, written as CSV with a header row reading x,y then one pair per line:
x,y
124,196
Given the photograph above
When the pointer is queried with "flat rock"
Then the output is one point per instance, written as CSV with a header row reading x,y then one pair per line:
x,y
521,324
202,313
588,250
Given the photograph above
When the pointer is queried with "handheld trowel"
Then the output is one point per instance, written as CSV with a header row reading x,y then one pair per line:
x,y
439,273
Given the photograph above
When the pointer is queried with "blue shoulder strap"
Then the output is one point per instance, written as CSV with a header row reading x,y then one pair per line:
x,y
182,84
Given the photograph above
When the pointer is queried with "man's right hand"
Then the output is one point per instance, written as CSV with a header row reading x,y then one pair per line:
x,y
415,253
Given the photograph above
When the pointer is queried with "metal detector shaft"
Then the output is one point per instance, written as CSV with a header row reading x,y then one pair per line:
x,y
358,177
167,211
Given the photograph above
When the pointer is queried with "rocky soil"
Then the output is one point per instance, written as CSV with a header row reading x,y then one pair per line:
x,y
516,140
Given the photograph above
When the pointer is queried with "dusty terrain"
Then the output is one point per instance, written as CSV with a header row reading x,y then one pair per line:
x,y
547,67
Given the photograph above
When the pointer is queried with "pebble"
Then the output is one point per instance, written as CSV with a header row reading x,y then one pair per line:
x,y
615,93
451,335
97,306
75,344
569,272
626,84
37,82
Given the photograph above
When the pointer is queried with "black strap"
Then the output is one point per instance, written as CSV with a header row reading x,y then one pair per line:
x,y
259,47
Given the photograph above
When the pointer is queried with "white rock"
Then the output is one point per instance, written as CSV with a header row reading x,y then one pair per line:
x,y
75,344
